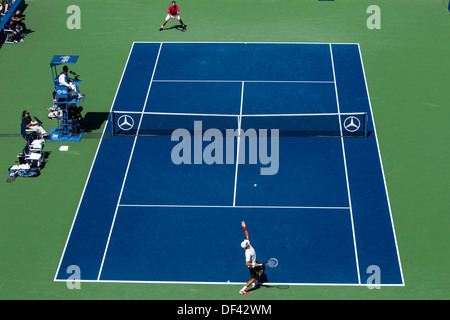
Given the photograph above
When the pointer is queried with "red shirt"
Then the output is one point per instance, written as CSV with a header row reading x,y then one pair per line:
x,y
173,11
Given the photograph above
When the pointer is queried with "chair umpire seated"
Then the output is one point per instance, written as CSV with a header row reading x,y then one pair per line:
x,y
66,89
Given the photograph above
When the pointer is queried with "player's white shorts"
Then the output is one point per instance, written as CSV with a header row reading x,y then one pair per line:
x,y
177,16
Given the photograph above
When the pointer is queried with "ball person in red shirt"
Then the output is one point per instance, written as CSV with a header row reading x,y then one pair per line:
x,y
173,13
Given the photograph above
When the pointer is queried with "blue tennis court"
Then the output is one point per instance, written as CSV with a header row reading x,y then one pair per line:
x,y
159,208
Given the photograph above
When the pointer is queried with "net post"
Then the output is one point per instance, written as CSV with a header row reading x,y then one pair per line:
x,y
365,124
111,119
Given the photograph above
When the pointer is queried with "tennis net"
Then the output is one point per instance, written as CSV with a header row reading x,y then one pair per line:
x,y
315,125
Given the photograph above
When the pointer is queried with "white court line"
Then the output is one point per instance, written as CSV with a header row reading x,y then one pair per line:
x,y
267,284
238,145
241,115
250,81
230,207
128,166
179,114
345,167
247,42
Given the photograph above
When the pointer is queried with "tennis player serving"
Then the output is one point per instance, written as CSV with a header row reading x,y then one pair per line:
x,y
255,268
173,13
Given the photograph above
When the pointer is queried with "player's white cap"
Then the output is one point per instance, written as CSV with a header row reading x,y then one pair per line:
x,y
244,243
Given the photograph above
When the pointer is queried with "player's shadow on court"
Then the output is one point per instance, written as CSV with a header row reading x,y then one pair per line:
x,y
262,284
177,27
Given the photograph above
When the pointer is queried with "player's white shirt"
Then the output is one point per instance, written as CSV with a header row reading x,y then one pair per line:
x,y
250,255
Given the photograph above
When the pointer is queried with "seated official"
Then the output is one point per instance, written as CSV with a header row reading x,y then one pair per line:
x,y
17,36
63,79
17,20
33,125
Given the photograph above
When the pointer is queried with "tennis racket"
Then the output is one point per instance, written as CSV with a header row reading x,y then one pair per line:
x,y
271,263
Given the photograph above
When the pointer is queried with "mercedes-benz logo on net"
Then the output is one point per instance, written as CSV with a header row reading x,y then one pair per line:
x,y
352,124
125,122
